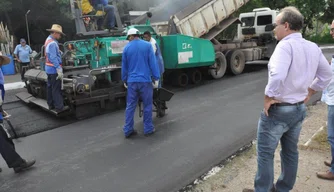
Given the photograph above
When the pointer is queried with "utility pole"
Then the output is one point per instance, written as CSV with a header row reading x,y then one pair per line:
x,y
28,26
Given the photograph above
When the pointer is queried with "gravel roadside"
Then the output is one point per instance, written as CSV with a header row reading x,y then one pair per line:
x,y
240,172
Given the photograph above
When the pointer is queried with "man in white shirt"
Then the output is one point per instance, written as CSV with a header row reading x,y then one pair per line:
x,y
159,60
328,98
148,37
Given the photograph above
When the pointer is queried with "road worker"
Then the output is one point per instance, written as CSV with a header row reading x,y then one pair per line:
x,y
22,54
102,5
159,60
3,61
7,147
138,67
53,69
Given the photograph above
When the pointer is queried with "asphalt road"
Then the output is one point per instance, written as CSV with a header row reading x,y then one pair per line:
x,y
204,125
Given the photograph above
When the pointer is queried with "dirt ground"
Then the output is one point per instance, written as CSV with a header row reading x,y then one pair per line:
x,y
240,172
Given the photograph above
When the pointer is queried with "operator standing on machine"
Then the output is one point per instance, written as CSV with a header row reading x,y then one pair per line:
x,y
138,66
102,5
54,69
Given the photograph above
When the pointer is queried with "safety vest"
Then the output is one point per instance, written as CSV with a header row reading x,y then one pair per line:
x,y
47,42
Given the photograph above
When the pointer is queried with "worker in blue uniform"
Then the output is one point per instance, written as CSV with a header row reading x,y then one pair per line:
x,y
22,54
139,69
53,69
3,61
102,5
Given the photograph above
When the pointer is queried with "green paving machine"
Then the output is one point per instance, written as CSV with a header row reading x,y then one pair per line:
x,y
92,70
92,66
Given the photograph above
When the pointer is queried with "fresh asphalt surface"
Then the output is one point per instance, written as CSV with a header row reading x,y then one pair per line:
x,y
204,125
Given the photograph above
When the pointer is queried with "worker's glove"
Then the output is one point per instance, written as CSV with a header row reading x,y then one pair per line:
x,y
125,85
60,74
155,84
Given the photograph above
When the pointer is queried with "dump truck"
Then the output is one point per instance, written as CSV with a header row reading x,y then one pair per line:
x,y
206,19
92,65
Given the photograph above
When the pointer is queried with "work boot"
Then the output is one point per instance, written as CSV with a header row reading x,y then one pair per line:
x,y
133,133
112,28
151,133
24,166
252,190
61,110
328,163
325,175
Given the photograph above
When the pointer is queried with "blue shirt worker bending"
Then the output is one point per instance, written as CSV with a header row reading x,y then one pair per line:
x,y
138,67
22,54
102,5
54,69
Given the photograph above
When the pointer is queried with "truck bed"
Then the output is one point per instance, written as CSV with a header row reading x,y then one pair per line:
x,y
196,18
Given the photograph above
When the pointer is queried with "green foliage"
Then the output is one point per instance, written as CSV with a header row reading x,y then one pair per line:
x,y
5,5
326,39
320,34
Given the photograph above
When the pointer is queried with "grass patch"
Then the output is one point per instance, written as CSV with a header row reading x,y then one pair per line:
x,y
321,139
319,142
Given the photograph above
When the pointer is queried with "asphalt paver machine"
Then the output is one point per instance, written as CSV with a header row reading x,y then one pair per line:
x,y
92,70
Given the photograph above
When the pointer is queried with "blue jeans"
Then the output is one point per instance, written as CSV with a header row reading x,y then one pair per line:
x,y
145,92
283,124
110,13
330,131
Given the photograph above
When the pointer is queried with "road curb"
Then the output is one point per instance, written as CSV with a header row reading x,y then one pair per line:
x,y
313,136
326,48
15,85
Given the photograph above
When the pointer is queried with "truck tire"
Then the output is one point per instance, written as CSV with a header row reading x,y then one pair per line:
x,y
181,79
220,66
195,76
236,61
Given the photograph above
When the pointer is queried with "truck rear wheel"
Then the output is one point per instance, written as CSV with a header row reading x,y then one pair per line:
x,y
195,76
236,61
219,66
181,79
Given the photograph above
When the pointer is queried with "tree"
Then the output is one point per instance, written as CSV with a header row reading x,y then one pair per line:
x,y
328,13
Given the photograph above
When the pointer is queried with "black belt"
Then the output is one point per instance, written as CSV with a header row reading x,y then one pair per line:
x,y
289,104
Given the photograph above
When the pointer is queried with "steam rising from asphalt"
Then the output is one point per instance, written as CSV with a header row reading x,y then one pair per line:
x,y
169,8
166,8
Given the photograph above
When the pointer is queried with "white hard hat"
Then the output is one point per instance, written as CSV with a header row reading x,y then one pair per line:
x,y
133,31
